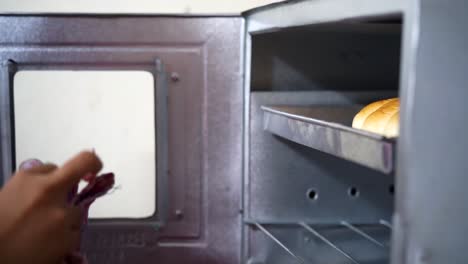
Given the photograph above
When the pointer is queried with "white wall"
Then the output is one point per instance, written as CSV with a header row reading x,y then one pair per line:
x,y
59,113
131,6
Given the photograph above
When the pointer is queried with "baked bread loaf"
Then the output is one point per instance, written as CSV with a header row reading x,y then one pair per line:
x,y
381,117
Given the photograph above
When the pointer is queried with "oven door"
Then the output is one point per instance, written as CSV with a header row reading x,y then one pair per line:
x,y
160,99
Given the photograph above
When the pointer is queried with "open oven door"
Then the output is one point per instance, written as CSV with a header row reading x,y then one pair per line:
x,y
174,143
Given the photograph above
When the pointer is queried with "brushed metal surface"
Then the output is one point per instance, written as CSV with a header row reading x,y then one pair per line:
x,y
297,13
431,202
308,248
345,55
6,119
282,172
204,123
316,63
160,98
328,129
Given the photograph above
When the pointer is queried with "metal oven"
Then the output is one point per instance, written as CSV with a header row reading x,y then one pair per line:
x,y
255,159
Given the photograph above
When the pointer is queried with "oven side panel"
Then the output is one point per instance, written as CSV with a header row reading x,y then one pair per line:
x,y
431,209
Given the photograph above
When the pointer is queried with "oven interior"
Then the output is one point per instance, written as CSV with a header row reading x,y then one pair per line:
x,y
316,190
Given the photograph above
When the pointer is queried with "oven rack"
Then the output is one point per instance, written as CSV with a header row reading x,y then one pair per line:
x,y
312,228
328,129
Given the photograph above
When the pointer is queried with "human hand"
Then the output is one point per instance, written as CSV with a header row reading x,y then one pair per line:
x,y
38,224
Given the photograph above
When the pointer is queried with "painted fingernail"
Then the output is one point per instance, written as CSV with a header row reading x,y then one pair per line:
x,y
29,164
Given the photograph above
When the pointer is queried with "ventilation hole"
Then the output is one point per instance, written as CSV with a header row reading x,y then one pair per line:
x,y
391,189
353,192
312,194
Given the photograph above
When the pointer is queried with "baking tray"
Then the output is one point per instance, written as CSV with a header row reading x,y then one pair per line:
x,y
328,129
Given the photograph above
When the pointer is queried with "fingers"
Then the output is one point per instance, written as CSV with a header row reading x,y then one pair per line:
x,y
43,169
73,240
68,244
73,223
64,231
29,164
75,217
72,194
36,166
75,258
73,170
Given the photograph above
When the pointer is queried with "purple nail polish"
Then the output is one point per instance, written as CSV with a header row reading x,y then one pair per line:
x,y
29,164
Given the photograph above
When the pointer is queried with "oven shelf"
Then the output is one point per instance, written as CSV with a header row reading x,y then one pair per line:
x,y
315,231
328,129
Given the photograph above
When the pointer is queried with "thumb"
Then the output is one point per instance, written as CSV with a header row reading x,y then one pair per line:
x,y
75,169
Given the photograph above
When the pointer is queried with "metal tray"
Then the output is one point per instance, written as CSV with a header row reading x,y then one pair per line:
x,y
328,129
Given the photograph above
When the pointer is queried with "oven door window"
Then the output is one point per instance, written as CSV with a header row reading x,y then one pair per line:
x,y
59,113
